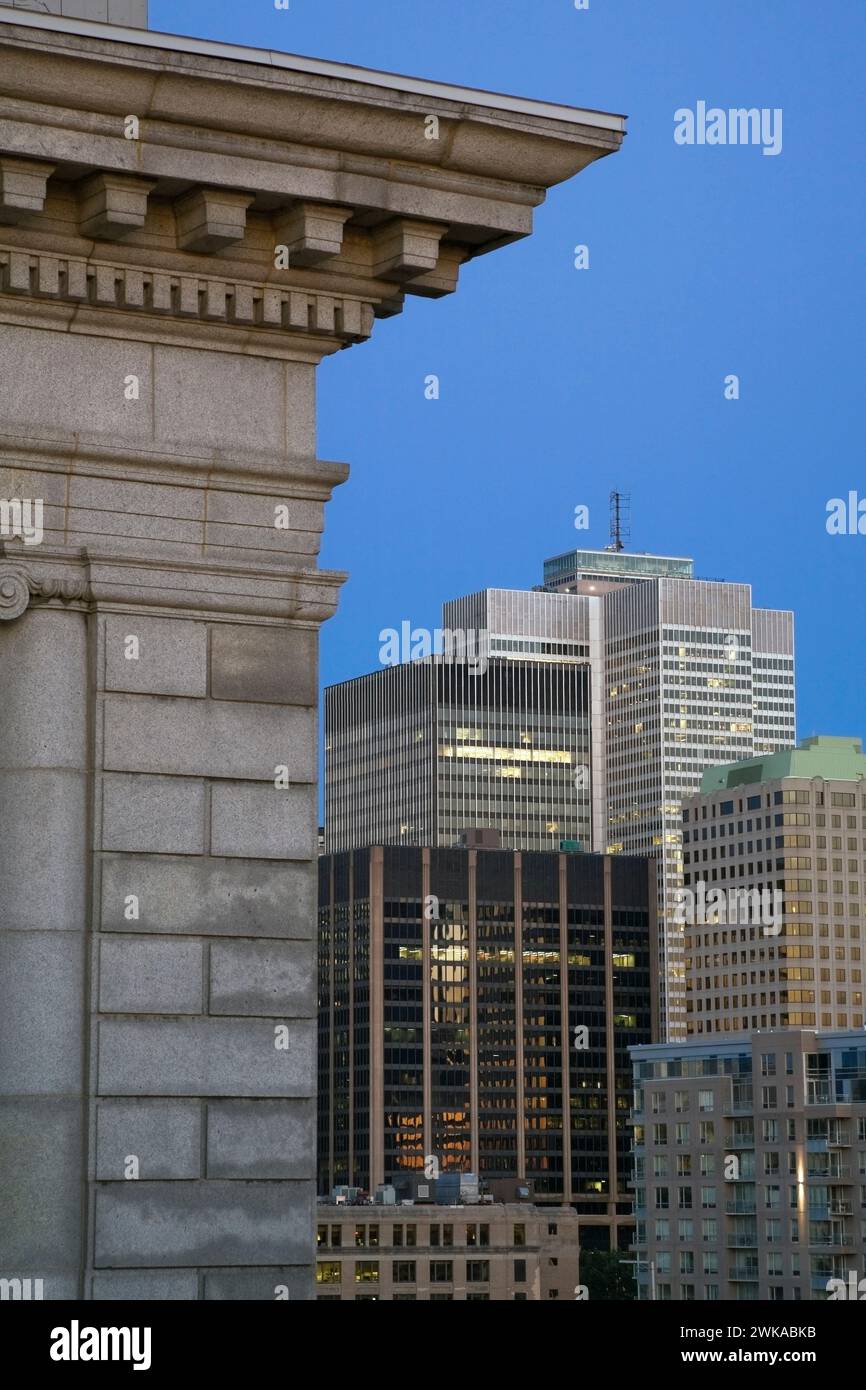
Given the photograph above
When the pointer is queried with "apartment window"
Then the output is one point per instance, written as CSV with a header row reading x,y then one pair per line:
x,y
681,1101
684,1198
686,1229
708,1197
478,1271
329,1272
404,1271
706,1102
663,1199
411,1236
519,1235
660,1134
321,1236
769,1098
520,1271
683,1132
768,1064
448,1236
708,1132
441,1272
366,1271
434,1237
710,1259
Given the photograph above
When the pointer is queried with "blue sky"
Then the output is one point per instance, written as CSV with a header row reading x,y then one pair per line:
x,y
558,384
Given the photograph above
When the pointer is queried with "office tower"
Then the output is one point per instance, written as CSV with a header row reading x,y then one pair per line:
x,y
793,822
451,983
693,675
750,1167
504,1251
549,630
416,753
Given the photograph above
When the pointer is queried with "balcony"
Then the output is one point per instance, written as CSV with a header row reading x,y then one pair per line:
x,y
818,1091
828,1210
743,1177
839,1173
747,1242
741,1140
835,1242
744,1274
828,1143
819,1282
744,1207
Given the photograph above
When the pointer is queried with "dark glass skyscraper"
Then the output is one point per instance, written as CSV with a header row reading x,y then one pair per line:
x,y
452,983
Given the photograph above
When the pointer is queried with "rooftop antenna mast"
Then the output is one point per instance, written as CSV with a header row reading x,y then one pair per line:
x,y
620,516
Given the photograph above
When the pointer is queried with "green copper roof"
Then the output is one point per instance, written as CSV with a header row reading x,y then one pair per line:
x,y
836,759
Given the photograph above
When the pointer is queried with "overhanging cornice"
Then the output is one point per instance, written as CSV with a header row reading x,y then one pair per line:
x,y
283,128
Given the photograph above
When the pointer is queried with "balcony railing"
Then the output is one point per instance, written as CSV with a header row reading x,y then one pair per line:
x,y
747,1242
825,1143
744,1274
741,1208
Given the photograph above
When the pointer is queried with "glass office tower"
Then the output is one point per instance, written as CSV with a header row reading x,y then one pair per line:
x,y
451,983
417,753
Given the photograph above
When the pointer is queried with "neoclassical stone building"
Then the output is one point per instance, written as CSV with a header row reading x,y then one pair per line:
x,y
186,230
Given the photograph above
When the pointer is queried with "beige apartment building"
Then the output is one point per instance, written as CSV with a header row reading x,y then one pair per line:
x,y
793,825
750,1167
476,1254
